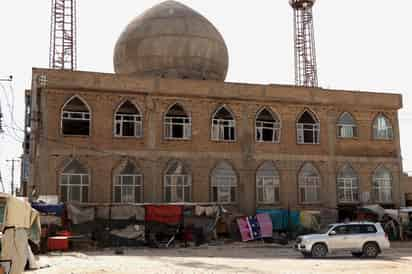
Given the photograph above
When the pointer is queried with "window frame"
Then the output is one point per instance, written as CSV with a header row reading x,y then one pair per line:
x,y
219,126
314,128
264,125
135,185
168,127
172,184
69,113
137,120
304,183
69,185
389,131
378,187
229,187
342,126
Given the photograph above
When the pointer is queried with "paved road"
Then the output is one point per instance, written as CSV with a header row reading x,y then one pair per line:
x,y
234,258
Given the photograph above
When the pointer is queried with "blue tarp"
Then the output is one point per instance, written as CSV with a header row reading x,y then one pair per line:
x,y
49,209
281,218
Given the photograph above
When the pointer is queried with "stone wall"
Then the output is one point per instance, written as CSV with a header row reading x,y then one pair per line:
x,y
102,152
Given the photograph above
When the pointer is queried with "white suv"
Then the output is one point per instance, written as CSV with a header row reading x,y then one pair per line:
x,y
360,238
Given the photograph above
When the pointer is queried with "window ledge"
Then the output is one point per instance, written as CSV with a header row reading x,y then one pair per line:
x,y
128,137
76,136
177,139
305,144
224,141
383,140
267,142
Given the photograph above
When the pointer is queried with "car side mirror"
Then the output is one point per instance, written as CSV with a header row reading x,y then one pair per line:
x,y
332,233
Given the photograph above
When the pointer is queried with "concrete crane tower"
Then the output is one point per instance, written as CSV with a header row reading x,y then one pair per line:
x,y
305,53
63,35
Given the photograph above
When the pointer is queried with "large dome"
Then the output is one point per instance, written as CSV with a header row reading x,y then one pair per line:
x,y
171,40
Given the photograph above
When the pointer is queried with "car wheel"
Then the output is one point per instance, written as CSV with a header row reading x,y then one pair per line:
x,y
319,250
357,254
370,250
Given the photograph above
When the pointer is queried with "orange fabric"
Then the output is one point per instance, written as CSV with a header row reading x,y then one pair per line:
x,y
164,214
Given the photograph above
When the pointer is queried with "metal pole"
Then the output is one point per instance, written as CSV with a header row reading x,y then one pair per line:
x,y
12,174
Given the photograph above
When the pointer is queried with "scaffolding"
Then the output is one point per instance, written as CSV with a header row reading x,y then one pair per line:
x,y
63,35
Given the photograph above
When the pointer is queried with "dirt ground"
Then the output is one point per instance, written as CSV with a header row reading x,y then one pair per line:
x,y
232,258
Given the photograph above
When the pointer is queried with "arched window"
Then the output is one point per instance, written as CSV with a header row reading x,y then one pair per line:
x,y
177,123
224,183
74,183
382,128
267,127
308,129
128,121
382,185
267,184
346,126
177,183
348,185
75,118
309,184
223,125
128,184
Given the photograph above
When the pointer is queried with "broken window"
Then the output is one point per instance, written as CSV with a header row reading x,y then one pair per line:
x,y
74,183
347,127
223,125
76,118
348,185
267,127
128,185
128,121
224,184
382,128
178,183
309,184
308,129
267,184
177,124
382,185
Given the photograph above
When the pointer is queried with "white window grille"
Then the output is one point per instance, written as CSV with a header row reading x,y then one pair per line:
x,y
178,128
382,186
348,190
128,121
177,188
74,183
308,133
74,187
346,126
223,130
268,190
128,188
267,127
224,184
223,126
75,118
309,184
177,183
129,125
267,184
382,128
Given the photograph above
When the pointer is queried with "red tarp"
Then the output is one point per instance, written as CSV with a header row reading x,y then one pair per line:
x,y
163,214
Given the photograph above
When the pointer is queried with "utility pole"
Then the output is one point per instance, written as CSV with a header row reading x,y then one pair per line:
x,y
9,79
12,174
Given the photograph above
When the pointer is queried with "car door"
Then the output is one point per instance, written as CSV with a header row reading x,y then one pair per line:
x,y
338,238
354,238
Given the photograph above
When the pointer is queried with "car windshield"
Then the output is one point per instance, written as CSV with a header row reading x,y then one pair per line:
x,y
326,229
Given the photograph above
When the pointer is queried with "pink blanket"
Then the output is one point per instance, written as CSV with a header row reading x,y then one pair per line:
x,y
244,229
265,223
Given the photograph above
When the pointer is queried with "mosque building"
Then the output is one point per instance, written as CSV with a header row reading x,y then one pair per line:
x,y
167,128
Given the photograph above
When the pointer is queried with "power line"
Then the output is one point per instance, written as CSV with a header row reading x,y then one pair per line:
x,y
12,174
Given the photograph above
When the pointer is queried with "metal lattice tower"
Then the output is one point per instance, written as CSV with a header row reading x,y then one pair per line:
x,y
63,35
305,53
